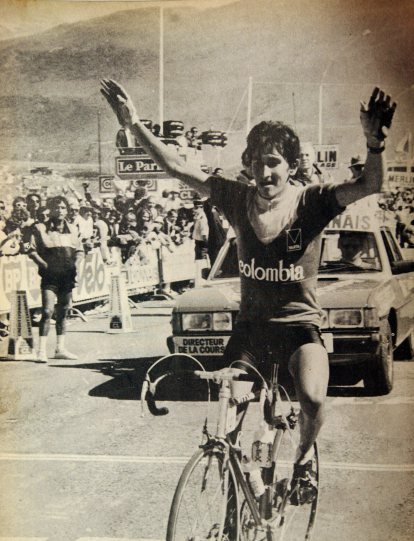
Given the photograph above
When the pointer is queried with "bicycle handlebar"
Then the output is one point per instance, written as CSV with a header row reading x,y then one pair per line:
x,y
152,406
148,388
219,376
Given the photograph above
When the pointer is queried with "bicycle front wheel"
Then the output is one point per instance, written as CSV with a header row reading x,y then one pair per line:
x,y
206,502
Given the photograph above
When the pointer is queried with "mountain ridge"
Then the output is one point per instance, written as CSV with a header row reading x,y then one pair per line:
x,y
50,81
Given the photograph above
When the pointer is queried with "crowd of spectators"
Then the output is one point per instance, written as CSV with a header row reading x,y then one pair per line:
x,y
397,206
139,222
134,225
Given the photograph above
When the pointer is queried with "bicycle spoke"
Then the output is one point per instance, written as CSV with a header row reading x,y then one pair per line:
x,y
205,504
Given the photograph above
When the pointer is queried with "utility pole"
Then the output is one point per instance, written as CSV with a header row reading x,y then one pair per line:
x,y
99,142
161,95
249,105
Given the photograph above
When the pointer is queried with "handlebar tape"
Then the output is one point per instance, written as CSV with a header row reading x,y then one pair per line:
x,y
152,406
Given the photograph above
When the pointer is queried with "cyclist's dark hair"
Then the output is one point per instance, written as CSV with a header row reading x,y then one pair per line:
x,y
53,202
276,133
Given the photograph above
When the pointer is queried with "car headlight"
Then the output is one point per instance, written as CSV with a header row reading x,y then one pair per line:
x,y
222,321
197,322
351,317
217,321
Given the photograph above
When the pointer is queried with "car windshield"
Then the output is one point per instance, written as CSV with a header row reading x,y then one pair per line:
x,y
349,251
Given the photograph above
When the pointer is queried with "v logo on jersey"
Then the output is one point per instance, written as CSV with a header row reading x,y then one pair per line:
x,y
294,239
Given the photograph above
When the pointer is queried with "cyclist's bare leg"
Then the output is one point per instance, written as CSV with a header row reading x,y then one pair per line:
x,y
309,367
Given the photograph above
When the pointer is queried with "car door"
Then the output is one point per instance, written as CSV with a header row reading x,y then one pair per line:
x,y
403,285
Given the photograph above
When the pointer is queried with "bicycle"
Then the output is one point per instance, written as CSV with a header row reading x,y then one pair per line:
x,y
214,498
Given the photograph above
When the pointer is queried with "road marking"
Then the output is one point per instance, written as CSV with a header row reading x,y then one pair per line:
x,y
358,401
96,458
355,466
398,400
24,538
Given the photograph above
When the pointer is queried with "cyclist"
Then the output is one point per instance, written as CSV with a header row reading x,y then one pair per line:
x,y
278,228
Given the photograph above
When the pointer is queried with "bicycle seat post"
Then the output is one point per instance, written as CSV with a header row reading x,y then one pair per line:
x,y
224,397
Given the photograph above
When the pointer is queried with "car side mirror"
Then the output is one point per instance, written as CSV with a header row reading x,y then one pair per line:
x,y
402,267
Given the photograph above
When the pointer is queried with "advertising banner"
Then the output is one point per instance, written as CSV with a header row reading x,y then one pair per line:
x,y
178,265
400,175
138,168
327,156
106,184
19,273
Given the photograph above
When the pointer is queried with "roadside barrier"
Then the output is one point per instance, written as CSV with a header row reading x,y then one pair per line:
x,y
19,273
119,313
21,335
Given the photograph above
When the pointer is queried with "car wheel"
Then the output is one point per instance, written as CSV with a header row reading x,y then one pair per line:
x,y
380,371
405,351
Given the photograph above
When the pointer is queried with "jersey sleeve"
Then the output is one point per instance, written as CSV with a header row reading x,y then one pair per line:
x,y
228,196
320,205
78,244
34,240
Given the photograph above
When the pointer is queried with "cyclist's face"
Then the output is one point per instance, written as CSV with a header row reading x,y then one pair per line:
x,y
271,171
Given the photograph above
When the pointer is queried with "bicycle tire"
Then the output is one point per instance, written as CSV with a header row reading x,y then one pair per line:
x,y
289,522
293,522
196,510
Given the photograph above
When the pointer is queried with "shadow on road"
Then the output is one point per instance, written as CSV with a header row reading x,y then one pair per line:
x,y
127,377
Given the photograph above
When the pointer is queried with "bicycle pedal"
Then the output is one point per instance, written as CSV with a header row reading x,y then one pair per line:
x,y
303,493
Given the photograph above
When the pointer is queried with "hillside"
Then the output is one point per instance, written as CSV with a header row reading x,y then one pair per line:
x,y
50,81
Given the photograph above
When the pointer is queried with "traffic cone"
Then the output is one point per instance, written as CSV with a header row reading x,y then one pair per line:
x,y
21,334
119,313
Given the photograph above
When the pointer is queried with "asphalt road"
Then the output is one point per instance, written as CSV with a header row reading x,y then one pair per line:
x,y
78,462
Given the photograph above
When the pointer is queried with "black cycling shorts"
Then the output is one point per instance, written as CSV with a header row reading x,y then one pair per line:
x,y
267,341
58,283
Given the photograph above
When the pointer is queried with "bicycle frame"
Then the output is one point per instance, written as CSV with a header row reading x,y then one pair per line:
x,y
224,399
262,511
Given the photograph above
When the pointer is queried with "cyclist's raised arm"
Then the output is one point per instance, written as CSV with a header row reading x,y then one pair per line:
x,y
376,118
165,157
